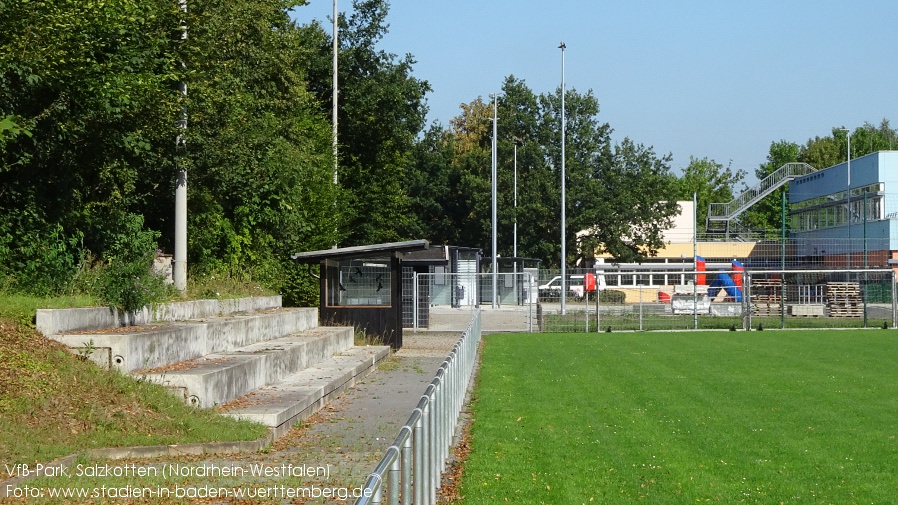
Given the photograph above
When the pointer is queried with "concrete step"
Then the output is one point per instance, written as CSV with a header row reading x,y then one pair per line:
x,y
156,345
217,378
57,321
296,397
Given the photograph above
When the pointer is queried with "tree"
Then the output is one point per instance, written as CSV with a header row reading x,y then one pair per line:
x,y
767,214
89,106
432,181
258,147
634,203
86,93
710,182
382,110
621,195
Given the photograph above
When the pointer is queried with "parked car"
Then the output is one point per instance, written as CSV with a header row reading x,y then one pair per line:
x,y
552,289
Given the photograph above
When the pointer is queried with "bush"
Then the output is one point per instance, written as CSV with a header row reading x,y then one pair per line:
x,y
130,286
126,280
612,296
45,262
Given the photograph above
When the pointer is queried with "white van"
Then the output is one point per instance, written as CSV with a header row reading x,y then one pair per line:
x,y
552,289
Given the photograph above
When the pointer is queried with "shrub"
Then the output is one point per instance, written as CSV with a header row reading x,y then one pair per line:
x,y
126,280
45,262
612,296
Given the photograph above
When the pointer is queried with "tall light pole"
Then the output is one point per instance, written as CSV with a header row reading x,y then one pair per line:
x,y
494,173
563,196
336,91
179,268
848,194
516,202
515,243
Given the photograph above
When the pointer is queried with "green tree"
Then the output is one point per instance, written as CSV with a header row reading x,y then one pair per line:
x,y
767,214
86,93
382,110
634,202
870,139
621,196
432,182
710,182
89,105
258,147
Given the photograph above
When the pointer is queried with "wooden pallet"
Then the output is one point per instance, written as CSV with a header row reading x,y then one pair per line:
x,y
846,312
766,309
843,299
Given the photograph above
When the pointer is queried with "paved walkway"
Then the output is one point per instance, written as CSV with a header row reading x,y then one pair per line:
x,y
350,435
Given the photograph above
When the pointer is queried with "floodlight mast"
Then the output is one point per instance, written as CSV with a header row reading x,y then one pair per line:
x,y
335,99
563,196
493,174
179,266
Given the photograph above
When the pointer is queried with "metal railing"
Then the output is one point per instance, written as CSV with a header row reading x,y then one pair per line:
x,y
782,175
411,468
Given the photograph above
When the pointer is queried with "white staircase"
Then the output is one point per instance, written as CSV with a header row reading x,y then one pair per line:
x,y
726,212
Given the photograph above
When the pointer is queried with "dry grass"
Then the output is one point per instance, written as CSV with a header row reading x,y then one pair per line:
x,y
52,403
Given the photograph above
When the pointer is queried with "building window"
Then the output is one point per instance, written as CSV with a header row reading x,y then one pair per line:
x,y
359,282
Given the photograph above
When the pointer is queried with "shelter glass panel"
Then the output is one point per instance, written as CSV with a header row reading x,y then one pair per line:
x,y
359,282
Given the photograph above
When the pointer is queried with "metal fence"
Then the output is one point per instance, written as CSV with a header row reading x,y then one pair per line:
x,y
411,469
445,302
724,299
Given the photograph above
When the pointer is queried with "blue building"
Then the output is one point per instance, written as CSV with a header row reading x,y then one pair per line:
x,y
843,218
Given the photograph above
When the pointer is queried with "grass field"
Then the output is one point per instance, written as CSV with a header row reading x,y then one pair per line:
x,y
695,417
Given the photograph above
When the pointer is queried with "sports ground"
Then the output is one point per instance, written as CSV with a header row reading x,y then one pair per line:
x,y
803,416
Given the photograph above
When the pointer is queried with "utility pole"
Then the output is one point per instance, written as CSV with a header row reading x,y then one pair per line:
x,y
179,269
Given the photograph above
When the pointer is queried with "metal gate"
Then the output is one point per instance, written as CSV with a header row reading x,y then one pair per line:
x,y
445,302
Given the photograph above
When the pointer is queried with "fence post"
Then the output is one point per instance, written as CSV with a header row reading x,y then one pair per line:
x,y
640,306
586,294
393,480
419,457
894,300
426,482
415,300
746,316
530,285
433,437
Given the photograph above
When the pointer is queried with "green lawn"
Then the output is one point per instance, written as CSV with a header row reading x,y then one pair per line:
x,y
722,417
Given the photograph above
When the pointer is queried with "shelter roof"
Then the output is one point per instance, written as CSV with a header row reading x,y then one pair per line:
x,y
389,248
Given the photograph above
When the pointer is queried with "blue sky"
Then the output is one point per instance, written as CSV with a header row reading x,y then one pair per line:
x,y
717,79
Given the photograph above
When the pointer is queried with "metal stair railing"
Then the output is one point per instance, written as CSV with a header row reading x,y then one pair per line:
x,y
728,211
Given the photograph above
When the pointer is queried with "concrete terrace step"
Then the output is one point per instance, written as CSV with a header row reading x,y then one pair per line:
x,y
298,396
218,378
57,321
143,347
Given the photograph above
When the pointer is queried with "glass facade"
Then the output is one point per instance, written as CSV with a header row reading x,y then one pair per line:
x,y
831,211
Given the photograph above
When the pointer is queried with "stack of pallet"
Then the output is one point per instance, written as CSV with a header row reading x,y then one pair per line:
x,y
766,297
843,299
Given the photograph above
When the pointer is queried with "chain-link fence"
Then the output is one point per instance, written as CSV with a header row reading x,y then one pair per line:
x,y
644,300
723,299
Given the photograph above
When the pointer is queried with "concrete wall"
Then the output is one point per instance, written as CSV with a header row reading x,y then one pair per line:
x,y
55,321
